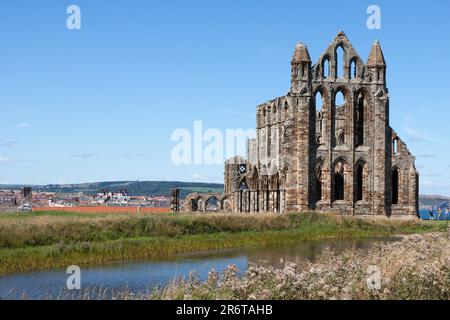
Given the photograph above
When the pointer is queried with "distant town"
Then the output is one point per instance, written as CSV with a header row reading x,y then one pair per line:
x,y
116,194
143,194
116,198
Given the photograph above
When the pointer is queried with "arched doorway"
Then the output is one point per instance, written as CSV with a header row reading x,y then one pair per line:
x,y
244,196
212,204
194,205
339,181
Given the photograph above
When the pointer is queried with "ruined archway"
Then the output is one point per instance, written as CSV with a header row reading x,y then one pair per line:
x,y
194,205
212,204
226,205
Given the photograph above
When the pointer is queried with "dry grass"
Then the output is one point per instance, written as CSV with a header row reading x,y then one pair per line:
x,y
418,267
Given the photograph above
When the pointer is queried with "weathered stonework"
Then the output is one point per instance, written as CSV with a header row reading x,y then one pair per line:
x,y
323,156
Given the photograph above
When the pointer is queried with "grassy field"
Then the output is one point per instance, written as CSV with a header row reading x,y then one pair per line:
x,y
50,240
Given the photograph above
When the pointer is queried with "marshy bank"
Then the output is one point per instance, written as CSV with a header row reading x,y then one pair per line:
x,y
412,267
51,240
137,277
416,268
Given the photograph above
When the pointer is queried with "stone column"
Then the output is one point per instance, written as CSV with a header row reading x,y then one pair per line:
x,y
305,141
381,148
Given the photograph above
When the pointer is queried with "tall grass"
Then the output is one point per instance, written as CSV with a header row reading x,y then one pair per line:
x,y
415,268
56,228
47,242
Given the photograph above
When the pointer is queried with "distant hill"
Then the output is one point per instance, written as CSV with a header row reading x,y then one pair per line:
x,y
426,201
134,188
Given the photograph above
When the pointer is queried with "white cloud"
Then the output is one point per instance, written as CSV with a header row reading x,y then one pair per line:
x,y
232,111
7,144
196,176
270,51
24,125
436,183
426,155
143,155
82,155
4,159
418,136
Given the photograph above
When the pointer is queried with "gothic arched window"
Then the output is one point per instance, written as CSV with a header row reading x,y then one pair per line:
x,y
339,181
395,185
341,138
339,99
353,69
319,183
339,118
395,146
319,115
359,121
359,183
326,68
340,64
319,101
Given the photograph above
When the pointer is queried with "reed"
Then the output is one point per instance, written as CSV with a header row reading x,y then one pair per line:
x,y
416,268
52,228
51,242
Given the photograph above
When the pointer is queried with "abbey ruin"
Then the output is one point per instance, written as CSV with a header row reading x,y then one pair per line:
x,y
327,145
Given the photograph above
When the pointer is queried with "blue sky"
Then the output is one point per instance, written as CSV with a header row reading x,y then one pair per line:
x,y
101,103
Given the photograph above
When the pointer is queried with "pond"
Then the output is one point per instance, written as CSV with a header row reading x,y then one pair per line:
x,y
143,276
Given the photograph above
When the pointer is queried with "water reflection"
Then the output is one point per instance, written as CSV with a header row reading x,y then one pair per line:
x,y
143,276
